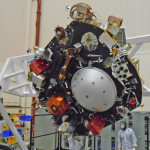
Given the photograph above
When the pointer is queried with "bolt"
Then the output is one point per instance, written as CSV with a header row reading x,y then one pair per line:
x,y
54,108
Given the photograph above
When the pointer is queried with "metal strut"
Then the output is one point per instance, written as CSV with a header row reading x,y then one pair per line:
x,y
3,112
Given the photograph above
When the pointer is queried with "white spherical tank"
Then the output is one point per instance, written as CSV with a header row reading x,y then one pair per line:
x,y
93,89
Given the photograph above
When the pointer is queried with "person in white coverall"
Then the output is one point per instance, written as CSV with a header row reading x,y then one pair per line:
x,y
126,138
74,144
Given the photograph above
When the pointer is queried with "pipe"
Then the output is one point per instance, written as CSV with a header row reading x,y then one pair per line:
x,y
38,22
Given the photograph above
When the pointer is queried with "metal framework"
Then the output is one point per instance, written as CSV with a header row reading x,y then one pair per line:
x,y
13,80
13,77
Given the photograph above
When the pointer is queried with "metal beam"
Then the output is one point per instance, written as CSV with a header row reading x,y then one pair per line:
x,y
18,67
134,50
3,112
13,74
18,86
139,39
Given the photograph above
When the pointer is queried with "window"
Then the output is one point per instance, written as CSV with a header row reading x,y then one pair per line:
x,y
99,142
130,121
113,143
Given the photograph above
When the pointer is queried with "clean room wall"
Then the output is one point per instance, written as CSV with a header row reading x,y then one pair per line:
x,y
17,34
14,27
17,27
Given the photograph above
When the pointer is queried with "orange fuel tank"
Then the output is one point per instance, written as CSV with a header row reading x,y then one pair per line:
x,y
57,105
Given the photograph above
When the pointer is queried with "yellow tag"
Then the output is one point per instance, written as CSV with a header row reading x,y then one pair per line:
x,y
61,76
30,74
6,127
65,123
11,140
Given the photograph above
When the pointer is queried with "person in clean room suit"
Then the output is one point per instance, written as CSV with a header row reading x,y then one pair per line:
x,y
126,138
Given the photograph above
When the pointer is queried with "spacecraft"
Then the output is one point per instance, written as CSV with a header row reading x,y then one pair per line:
x,y
84,76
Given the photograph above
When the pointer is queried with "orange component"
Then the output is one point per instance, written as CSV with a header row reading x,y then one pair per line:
x,y
96,125
61,76
17,115
38,66
63,70
17,125
115,51
67,61
57,105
